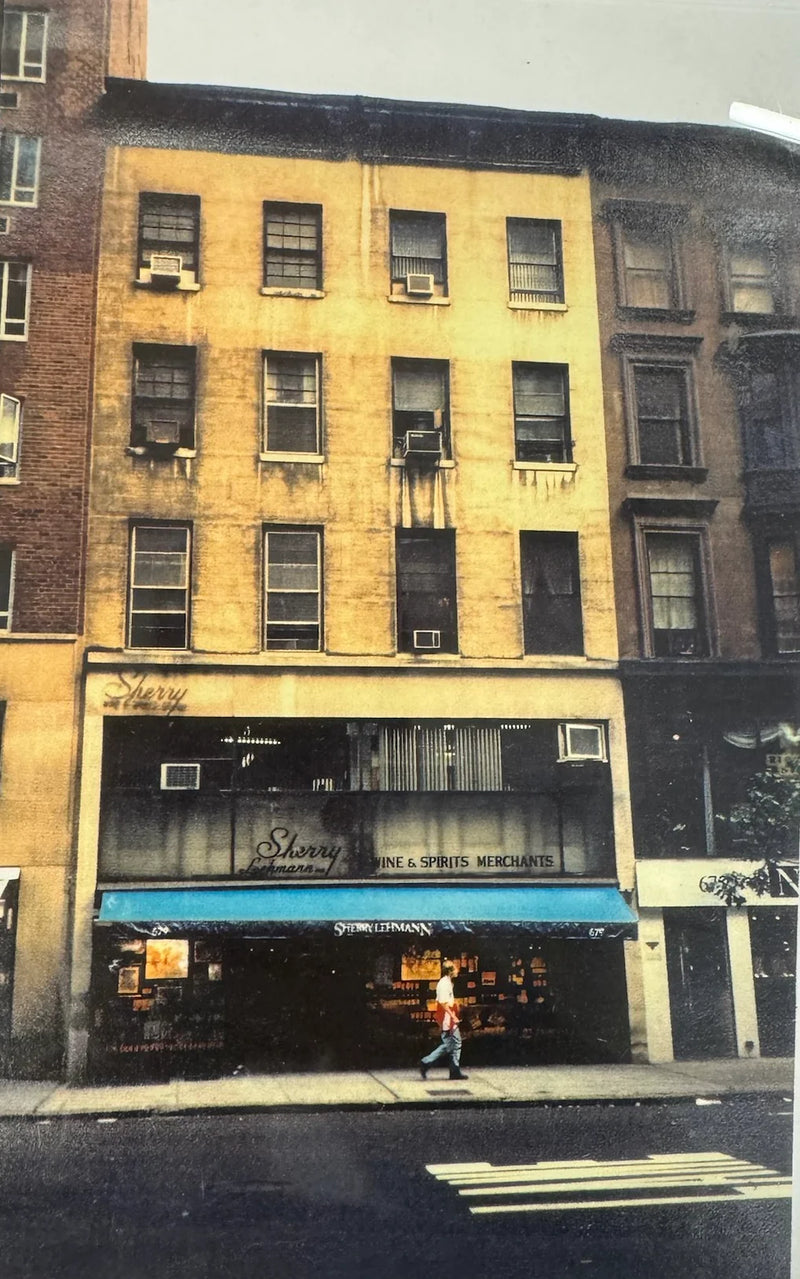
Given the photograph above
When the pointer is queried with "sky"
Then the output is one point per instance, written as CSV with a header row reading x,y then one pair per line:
x,y
645,59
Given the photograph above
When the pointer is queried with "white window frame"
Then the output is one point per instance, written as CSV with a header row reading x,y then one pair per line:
x,y
7,606
305,531
5,336
16,191
39,69
305,455
9,461
184,586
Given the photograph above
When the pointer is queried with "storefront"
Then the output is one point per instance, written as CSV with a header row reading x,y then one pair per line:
x,y
344,977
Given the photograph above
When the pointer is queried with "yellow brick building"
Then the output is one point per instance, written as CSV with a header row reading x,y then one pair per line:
x,y
349,599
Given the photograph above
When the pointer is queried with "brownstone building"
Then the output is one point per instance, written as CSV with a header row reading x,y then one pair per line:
x,y
699,296
52,68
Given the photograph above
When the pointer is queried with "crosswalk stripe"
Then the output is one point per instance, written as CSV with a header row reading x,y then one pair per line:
x,y
551,1184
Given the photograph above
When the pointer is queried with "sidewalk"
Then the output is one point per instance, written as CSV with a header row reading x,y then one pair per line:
x,y
704,1081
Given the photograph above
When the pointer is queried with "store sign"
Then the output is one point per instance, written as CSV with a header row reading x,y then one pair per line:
x,y
374,927
785,764
289,854
132,691
470,863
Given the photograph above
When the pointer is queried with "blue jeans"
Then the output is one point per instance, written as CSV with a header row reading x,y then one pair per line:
x,y
449,1047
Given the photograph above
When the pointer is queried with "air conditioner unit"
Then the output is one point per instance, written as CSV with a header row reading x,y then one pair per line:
x,y
164,431
165,268
180,776
422,444
578,742
419,285
427,641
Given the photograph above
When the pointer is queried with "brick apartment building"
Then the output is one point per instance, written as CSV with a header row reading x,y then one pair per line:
x,y
52,68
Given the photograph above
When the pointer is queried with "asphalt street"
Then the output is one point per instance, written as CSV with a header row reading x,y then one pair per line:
x,y
612,1191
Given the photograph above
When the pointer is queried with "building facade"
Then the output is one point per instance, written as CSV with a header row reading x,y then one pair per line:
x,y
352,702
696,243
53,61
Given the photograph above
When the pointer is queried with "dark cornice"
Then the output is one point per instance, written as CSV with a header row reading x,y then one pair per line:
x,y
665,343
693,508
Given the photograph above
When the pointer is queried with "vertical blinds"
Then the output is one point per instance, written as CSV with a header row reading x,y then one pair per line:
x,y
439,758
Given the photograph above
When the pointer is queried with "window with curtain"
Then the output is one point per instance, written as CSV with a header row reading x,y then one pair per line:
x,y
535,272
418,245
551,593
648,268
785,594
541,413
751,280
676,595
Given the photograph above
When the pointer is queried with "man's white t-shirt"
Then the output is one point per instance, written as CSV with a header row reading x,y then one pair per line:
x,y
444,991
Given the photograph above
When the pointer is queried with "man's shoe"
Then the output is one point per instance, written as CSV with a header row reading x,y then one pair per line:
x,y
458,1074
423,1070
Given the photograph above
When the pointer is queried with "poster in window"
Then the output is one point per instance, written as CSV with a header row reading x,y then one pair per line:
x,y
166,957
424,967
128,981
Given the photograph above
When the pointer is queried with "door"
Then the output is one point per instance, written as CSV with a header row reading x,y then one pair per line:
x,y
700,1000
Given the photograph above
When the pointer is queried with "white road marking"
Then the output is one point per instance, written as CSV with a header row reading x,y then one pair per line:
x,y
726,1178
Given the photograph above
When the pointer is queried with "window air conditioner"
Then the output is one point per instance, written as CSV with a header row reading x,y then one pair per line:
x,y
180,776
164,431
419,285
427,640
582,742
422,444
165,268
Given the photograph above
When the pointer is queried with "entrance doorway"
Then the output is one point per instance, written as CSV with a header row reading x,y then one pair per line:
x,y
699,983
773,941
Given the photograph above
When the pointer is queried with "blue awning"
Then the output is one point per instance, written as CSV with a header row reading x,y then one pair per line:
x,y
565,910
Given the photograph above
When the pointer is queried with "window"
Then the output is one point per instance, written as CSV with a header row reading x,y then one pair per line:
x,y
19,169
159,586
169,225
677,619
15,283
535,272
22,56
649,269
10,415
664,426
770,408
292,401
426,590
541,413
420,400
647,253
551,593
292,246
7,559
163,397
784,584
419,252
750,284
293,603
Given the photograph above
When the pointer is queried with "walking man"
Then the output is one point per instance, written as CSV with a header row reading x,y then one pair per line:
x,y
447,1016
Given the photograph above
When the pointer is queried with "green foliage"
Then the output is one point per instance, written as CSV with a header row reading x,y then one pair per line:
x,y
765,824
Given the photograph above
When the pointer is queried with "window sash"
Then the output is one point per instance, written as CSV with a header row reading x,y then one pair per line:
x,y
10,419
169,224
541,417
751,280
19,169
534,260
676,594
551,593
418,245
785,589
7,570
24,45
649,269
293,246
14,299
159,586
292,589
164,389
662,415
291,396
426,588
